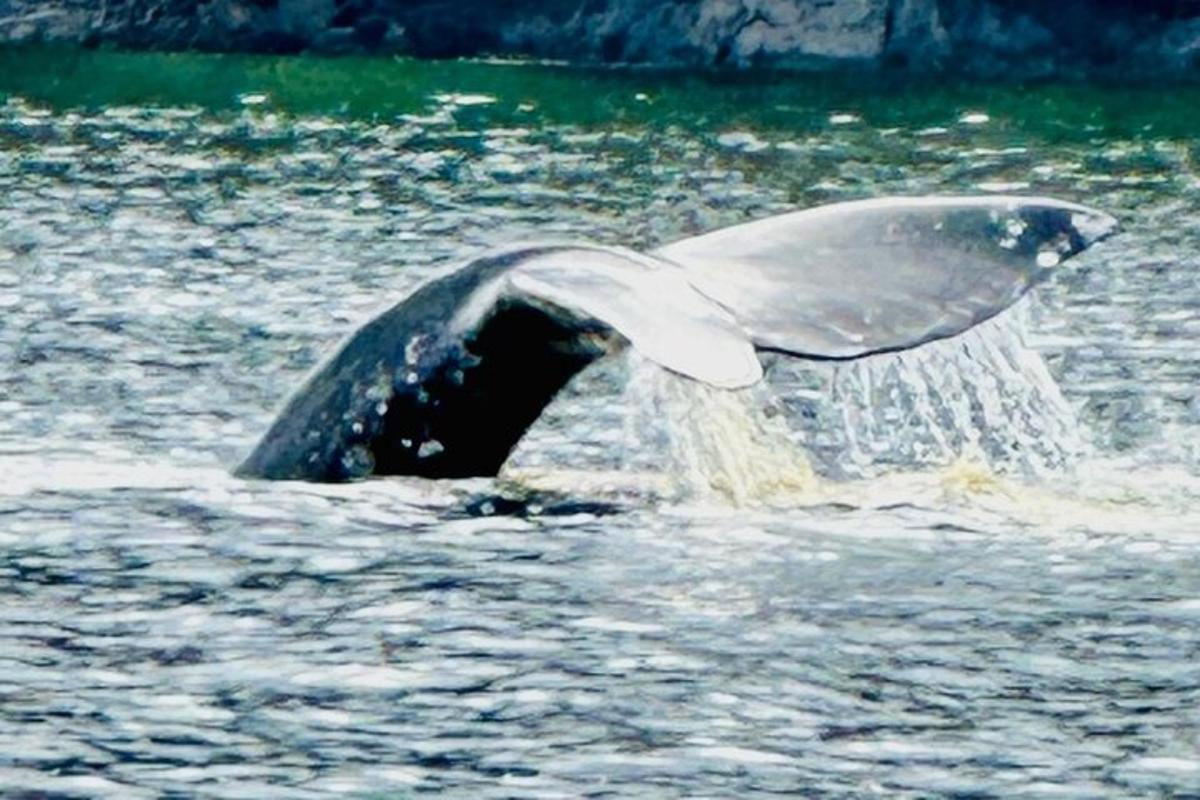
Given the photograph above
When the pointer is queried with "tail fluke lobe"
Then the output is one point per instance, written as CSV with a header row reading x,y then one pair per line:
x,y
851,279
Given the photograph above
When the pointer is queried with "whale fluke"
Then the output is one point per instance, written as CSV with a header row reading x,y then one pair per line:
x,y
850,279
444,383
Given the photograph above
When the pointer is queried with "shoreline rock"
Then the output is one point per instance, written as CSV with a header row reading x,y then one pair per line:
x,y
994,38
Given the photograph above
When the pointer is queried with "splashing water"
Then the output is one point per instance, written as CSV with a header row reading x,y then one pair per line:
x,y
984,397
629,427
983,402
734,445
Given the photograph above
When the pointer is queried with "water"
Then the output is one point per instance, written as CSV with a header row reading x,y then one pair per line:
x,y
1006,604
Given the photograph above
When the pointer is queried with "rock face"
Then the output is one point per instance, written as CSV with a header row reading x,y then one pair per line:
x,y
1022,38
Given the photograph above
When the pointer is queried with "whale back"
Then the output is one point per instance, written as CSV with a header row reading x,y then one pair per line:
x,y
851,279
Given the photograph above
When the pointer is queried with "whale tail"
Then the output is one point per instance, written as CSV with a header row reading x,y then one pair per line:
x,y
446,382
851,279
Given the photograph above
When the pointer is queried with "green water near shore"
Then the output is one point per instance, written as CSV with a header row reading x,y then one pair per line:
x,y
528,93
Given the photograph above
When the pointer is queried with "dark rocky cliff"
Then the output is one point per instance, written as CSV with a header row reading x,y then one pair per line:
x,y
1021,38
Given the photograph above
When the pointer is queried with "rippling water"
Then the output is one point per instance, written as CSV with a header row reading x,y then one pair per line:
x,y
182,237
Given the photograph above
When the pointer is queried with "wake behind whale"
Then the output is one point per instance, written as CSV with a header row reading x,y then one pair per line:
x,y
445,383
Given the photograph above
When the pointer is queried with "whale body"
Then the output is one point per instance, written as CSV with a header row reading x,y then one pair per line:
x,y
445,383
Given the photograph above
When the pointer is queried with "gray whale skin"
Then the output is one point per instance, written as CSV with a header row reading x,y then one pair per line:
x,y
444,383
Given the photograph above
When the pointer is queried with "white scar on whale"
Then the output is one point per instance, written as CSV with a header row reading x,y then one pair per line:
x,y
445,383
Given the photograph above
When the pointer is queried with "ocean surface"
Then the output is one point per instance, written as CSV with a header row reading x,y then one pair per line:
x,y
968,571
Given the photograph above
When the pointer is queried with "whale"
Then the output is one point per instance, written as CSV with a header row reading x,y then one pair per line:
x,y
444,383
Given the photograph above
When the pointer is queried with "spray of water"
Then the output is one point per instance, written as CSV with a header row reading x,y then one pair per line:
x,y
984,396
983,403
736,445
